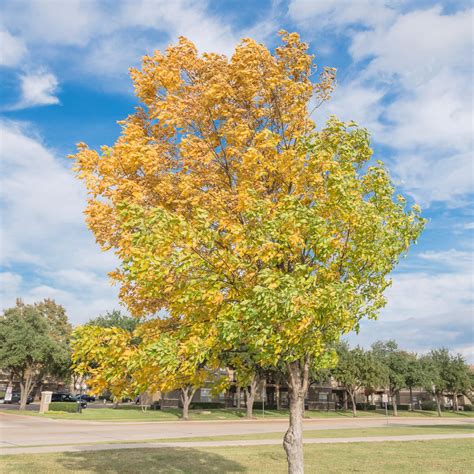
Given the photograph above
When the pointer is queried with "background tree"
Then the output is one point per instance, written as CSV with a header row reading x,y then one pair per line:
x,y
436,365
458,378
114,319
167,360
356,369
102,355
228,209
31,345
396,363
415,375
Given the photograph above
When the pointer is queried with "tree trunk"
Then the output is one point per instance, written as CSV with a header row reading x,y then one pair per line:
x,y
298,375
438,404
187,394
354,408
455,401
238,398
277,396
26,383
393,397
411,399
250,392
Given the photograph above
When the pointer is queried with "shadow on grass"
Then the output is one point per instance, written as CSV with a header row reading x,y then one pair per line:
x,y
159,460
461,427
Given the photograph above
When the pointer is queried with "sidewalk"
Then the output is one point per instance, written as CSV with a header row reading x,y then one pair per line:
x,y
213,444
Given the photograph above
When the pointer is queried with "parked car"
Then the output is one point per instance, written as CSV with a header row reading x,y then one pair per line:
x,y
66,397
16,398
86,397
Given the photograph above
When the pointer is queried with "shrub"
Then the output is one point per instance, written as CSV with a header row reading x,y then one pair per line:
x,y
468,408
206,405
63,406
402,407
365,407
429,405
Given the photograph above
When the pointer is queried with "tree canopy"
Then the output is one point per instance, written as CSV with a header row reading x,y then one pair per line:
x,y
34,342
233,214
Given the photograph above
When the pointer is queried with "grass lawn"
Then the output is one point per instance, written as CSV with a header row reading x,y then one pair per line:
x,y
446,456
133,413
344,433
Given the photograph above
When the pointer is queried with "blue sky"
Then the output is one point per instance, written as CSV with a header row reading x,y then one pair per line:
x,y
404,72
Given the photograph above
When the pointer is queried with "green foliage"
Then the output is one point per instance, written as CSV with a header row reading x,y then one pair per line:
x,y
357,368
114,319
68,407
429,405
396,363
34,339
206,405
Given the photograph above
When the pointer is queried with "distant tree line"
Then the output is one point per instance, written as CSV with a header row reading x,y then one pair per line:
x,y
37,341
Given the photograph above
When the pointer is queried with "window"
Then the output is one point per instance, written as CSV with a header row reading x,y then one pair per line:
x,y
206,395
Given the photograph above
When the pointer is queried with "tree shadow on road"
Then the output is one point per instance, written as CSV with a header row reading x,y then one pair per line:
x,y
149,460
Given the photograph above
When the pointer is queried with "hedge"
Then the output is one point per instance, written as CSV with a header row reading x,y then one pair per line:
x,y
468,408
402,407
206,405
365,407
63,406
430,405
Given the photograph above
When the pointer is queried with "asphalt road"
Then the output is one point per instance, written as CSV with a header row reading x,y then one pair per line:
x,y
17,430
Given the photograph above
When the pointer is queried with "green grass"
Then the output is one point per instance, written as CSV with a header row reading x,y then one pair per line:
x,y
344,433
443,456
133,413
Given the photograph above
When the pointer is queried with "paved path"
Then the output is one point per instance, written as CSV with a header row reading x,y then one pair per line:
x,y
214,444
27,431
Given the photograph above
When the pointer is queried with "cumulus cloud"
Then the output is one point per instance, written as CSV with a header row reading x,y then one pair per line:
x,y
341,13
110,39
427,310
12,49
44,232
412,87
37,89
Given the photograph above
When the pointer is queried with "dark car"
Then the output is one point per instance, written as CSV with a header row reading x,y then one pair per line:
x,y
66,397
86,397
16,398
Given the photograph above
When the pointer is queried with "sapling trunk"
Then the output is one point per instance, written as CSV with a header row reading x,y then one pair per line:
x,y
293,439
354,408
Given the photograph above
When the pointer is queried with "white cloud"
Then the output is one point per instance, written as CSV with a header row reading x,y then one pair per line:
x,y
452,258
427,310
12,49
413,90
37,89
341,13
71,22
44,232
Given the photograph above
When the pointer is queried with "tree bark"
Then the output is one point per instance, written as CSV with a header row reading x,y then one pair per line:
x,y
438,404
26,383
298,375
187,394
238,398
250,392
394,403
353,401
411,399
277,396
455,401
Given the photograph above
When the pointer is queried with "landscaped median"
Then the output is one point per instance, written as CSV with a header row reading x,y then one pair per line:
x,y
447,455
133,413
